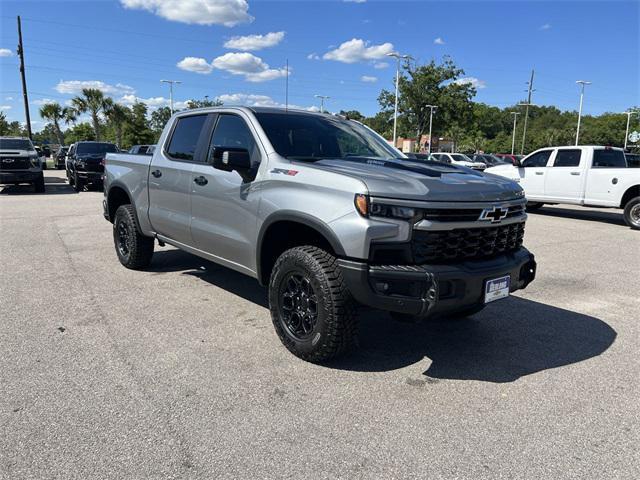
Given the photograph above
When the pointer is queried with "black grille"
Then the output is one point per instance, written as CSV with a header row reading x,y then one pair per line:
x,y
464,214
465,243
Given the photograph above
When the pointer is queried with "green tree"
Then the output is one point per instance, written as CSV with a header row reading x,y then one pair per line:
x,y
79,132
137,129
117,115
94,102
159,119
56,114
455,133
430,84
4,125
191,104
352,115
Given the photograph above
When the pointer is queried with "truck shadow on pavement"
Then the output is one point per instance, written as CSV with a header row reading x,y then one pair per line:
x,y
510,339
614,217
53,186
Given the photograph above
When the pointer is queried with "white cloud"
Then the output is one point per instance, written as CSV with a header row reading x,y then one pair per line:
x,y
152,102
255,42
357,50
368,79
44,101
438,41
202,12
5,107
195,64
354,1
253,68
258,101
75,87
8,99
546,26
313,56
380,65
473,81
5,52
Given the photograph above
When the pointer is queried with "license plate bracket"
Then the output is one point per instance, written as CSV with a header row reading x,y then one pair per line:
x,y
497,288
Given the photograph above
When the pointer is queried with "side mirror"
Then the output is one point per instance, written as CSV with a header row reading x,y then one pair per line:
x,y
232,158
516,163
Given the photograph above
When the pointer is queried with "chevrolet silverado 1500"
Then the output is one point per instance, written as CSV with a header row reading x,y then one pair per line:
x,y
327,214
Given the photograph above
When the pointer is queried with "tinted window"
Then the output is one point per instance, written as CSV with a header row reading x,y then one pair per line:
x,y
539,159
633,160
440,157
185,137
232,131
567,158
459,157
312,137
88,148
15,144
608,158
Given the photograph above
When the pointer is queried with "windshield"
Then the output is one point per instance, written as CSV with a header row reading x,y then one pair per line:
x,y
313,137
84,148
15,144
459,157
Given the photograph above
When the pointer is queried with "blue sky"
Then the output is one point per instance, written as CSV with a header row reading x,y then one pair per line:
x,y
236,50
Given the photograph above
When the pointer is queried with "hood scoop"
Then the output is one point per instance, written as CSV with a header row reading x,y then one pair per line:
x,y
427,168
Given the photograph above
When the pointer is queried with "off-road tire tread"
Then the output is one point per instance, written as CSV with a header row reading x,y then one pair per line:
x,y
141,249
341,322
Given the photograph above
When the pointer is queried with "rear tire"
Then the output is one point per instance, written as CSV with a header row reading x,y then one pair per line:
x,y
39,184
134,249
531,206
78,184
632,213
312,310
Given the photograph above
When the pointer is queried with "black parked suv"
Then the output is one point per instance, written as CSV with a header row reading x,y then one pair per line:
x,y
86,163
19,163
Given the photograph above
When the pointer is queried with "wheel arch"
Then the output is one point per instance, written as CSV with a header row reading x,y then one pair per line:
x,y
631,192
284,230
117,196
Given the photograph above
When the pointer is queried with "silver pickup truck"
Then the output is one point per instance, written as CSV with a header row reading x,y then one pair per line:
x,y
323,211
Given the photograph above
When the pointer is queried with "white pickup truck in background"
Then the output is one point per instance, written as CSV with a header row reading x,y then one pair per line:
x,y
591,176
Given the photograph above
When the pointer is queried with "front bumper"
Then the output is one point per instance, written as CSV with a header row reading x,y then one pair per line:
x,y
434,290
19,176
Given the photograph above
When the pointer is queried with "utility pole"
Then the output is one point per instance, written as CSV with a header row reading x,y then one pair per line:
x,y
24,81
526,114
171,82
322,99
431,109
398,57
626,134
513,139
582,83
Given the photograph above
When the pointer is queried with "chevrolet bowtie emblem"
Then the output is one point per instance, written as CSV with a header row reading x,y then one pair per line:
x,y
495,214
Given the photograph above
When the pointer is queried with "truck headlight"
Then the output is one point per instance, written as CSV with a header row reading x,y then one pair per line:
x,y
35,161
366,209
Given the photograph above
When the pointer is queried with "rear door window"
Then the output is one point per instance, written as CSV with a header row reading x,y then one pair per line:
x,y
185,137
608,158
567,158
539,159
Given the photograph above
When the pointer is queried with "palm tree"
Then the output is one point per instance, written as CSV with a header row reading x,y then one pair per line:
x,y
117,115
94,102
455,133
55,113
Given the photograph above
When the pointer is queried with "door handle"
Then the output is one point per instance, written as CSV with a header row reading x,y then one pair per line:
x,y
539,173
156,173
201,180
575,173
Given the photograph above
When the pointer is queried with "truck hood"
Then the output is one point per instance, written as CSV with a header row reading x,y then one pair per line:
x,y
432,181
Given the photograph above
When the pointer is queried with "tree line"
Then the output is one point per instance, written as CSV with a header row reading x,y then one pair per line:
x,y
471,126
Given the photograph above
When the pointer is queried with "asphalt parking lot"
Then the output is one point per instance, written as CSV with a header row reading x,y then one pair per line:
x,y
176,372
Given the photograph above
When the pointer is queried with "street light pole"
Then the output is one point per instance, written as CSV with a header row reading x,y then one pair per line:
x,y
431,109
513,139
170,82
322,99
398,57
582,83
626,133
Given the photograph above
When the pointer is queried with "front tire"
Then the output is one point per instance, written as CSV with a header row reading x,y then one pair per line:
x,y
78,184
531,206
69,177
311,307
39,184
134,249
632,213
